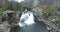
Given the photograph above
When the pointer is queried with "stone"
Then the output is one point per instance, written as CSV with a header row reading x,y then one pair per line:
x,y
10,15
4,27
37,11
14,27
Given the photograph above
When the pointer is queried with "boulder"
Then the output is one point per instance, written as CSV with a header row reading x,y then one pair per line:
x,y
10,16
14,27
4,27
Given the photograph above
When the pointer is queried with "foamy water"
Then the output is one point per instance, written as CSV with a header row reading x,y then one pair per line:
x,y
26,19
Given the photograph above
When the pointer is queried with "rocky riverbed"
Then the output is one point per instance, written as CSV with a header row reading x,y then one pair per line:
x,y
50,24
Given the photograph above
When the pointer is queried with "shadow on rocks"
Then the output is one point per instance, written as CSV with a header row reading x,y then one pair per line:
x,y
14,27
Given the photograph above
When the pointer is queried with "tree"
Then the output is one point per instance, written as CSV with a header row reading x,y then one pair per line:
x,y
1,11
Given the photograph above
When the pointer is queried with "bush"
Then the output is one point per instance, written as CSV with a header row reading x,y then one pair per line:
x,y
1,11
19,6
9,6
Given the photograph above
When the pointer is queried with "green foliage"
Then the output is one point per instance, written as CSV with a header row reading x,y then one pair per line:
x,y
1,11
19,6
9,6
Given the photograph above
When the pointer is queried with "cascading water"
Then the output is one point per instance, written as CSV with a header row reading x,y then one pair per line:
x,y
27,23
26,18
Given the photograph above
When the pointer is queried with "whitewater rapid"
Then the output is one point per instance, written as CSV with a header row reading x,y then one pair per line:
x,y
26,19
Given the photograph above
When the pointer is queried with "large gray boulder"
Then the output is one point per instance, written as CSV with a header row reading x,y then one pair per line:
x,y
4,27
37,11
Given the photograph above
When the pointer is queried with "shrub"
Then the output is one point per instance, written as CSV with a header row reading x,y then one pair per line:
x,y
19,6
9,6
1,11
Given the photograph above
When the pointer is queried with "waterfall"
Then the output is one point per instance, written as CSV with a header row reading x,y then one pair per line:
x,y
27,23
26,18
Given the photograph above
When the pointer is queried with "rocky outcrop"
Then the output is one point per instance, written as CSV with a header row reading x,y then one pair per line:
x,y
4,27
10,16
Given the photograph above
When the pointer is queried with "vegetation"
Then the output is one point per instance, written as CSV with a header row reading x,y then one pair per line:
x,y
9,6
48,10
19,6
1,11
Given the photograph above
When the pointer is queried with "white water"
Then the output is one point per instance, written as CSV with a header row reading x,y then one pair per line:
x,y
26,19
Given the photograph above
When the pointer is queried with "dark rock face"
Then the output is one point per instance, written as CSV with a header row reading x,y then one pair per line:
x,y
20,14
10,16
35,18
14,27
3,18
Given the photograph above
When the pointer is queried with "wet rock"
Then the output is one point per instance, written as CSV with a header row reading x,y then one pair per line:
x,y
14,27
3,18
